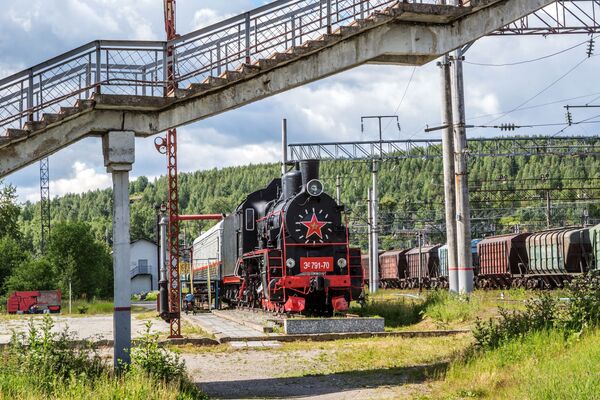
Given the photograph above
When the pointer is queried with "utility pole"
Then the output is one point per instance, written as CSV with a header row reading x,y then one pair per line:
x,y
370,234
548,209
283,146
45,216
448,162
419,243
463,217
374,224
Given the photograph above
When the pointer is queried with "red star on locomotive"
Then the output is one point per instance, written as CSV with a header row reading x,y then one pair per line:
x,y
314,226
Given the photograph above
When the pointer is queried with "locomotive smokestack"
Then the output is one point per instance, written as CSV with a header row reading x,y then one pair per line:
x,y
309,170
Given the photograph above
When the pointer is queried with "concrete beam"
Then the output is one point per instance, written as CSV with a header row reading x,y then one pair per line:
x,y
398,40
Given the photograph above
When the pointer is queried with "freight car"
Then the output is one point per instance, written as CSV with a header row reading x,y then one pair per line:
x,y
285,249
429,265
556,255
503,261
442,281
34,302
392,268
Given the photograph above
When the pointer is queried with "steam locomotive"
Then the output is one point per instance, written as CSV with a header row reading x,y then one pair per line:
x,y
284,249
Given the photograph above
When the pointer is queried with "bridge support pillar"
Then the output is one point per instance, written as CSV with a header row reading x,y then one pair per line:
x,y
119,155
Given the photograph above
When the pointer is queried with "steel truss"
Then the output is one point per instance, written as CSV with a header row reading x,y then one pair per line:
x,y
431,148
562,17
45,215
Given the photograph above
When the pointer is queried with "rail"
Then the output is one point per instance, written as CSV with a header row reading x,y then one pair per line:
x,y
139,67
141,270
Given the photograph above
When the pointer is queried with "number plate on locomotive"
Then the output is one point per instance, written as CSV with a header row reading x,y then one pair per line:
x,y
316,264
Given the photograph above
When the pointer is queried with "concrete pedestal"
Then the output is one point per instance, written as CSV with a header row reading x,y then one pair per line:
x,y
119,155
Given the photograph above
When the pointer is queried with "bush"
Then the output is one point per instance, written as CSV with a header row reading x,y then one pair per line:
x,y
444,307
539,314
580,312
154,360
83,309
152,296
42,364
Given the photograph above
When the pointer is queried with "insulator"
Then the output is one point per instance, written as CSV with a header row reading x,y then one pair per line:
x,y
569,118
590,48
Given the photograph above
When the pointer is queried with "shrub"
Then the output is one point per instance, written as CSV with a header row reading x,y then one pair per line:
x,y
152,296
156,361
83,309
583,309
49,355
444,307
539,314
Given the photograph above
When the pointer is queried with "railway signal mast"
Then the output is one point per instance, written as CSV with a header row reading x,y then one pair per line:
x,y
168,146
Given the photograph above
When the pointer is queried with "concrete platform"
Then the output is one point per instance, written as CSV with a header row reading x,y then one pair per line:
x,y
223,328
304,326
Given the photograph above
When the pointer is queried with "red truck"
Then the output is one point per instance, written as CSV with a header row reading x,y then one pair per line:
x,y
34,302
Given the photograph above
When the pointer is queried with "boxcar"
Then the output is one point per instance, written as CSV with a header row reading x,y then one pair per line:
x,y
364,262
595,240
392,268
34,302
430,266
557,254
502,260
443,256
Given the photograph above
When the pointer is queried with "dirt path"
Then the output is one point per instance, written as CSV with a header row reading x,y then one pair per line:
x,y
264,374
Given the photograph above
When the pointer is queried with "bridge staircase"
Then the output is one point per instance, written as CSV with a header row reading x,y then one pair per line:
x,y
121,85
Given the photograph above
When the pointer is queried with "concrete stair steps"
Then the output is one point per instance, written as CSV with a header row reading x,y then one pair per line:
x,y
198,87
12,133
214,81
231,76
266,63
84,104
298,50
347,30
281,57
68,111
248,69
32,126
51,118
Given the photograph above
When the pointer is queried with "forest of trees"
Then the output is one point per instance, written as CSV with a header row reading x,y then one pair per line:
x,y
411,197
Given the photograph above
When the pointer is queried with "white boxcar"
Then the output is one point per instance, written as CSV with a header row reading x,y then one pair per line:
x,y
207,253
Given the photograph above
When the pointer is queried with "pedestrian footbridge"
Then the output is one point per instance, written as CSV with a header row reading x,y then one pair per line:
x,y
108,86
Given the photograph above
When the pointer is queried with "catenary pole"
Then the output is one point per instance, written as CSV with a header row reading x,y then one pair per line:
x,y
448,164
463,218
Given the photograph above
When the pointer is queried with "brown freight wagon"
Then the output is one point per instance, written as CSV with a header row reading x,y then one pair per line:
x,y
502,260
364,262
392,268
430,266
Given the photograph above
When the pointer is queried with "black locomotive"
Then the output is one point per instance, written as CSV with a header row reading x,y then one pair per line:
x,y
287,249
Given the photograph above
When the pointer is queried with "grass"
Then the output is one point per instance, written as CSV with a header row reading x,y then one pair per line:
x,y
94,307
352,355
541,366
405,310
19,386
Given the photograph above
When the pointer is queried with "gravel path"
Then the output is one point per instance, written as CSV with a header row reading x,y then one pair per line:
x,y
252,374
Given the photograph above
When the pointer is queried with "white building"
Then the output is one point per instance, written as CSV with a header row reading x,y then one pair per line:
x,y
143,266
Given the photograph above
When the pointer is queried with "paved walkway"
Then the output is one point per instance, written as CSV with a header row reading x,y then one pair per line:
x,y
221,327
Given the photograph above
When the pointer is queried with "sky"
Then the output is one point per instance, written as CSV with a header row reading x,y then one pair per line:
x,y
328,110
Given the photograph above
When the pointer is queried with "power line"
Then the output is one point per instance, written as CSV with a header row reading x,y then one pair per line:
x,y
403,95
541,91
529,61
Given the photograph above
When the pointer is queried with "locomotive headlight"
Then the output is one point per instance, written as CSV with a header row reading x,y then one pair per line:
x,y
314,187
290,263
341,263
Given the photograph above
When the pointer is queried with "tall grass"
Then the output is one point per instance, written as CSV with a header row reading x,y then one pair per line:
x,y
43,364
540,366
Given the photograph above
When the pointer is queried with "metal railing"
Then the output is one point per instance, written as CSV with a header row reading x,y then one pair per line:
x,y
141,270
139,67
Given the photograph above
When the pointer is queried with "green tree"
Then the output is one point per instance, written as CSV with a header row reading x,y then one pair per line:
x,y
33,274
77,256
9,212
11,256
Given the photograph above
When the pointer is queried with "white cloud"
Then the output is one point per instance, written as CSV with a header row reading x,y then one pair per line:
x,y
82,179
207,16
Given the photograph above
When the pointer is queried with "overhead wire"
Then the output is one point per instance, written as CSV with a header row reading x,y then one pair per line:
x,y
531,60
541,91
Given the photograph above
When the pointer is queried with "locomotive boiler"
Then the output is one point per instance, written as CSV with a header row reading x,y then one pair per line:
x,y
285,248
